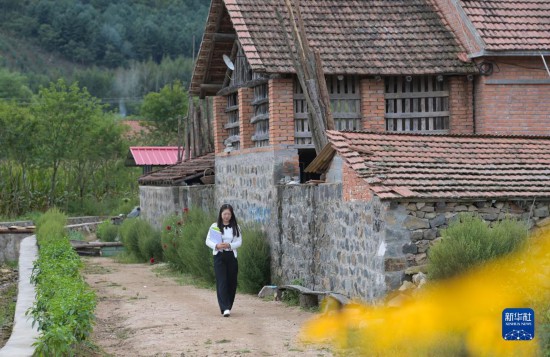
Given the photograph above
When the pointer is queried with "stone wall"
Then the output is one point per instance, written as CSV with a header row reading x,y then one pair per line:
x,y
329,244
157,203
247,182
422,222
9,246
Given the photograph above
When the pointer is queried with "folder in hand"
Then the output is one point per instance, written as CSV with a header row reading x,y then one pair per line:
x,y
215,235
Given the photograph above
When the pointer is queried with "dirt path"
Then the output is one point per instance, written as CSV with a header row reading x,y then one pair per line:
x,y
142,314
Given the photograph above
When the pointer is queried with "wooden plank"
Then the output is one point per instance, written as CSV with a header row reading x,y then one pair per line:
x,y
231,125
302,134
416,115
406,95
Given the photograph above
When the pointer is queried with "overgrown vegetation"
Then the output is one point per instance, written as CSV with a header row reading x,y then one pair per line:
x,y
74,160
64,306
470,241
141,240
107,232
254,260
8,298
183,242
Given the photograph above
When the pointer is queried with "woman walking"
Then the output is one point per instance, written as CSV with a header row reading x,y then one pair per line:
x,y
224,237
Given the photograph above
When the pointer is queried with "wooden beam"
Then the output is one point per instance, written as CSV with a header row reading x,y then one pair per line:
x,y
224,37
211,87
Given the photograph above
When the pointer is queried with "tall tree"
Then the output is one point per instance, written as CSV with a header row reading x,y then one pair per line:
x,y
65,114
164,109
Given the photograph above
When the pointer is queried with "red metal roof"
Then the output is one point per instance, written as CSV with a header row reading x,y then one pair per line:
x,y
154,155
444,166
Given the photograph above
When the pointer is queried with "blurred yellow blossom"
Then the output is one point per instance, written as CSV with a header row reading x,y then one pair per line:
x,y
459,316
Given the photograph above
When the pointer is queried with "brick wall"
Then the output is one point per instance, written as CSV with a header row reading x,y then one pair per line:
x,y
519,109
373,105
354,187
281,111
220,118
246,111
461,105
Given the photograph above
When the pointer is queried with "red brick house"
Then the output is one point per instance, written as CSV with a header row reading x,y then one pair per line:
x,y
390,65
509,42
394,68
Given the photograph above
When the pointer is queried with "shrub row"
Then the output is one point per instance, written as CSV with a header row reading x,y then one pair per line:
x,y
469,241
141,239
183,243
64,306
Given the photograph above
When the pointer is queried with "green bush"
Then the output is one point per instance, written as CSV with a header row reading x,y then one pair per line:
x,y
254,260
64,306
469,241
107,232
193,250
170,237
183,243
51,225
141,239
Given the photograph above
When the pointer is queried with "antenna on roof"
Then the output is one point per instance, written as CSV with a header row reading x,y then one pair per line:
x,y
228,62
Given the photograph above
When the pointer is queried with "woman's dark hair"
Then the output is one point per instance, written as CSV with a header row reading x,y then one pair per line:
x,y
232,222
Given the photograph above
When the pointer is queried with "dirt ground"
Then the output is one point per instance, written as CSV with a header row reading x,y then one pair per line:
x,y
143,313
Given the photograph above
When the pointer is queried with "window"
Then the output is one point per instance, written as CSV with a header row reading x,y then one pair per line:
x,y
345,102
417,104
232,125
260,120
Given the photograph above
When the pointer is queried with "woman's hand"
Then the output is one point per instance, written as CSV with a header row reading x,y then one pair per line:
x,y
221,246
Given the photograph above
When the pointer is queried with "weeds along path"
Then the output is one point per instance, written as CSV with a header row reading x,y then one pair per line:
x,y
142,312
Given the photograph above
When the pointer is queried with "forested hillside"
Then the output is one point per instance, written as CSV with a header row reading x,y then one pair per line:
x,y
120,50
108,33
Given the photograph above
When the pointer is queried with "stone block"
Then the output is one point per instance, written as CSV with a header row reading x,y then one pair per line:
x,y
423,246
541,212
414,223
268,291
472,208
410,248
440,206
420,214
480,204
420,205
430,215
461,208
395,264
428,209
490,216
417,269
438,221
430,234
421,258
411,207
417,235
543,222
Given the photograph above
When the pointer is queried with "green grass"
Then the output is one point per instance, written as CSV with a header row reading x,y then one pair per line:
x,y
7,307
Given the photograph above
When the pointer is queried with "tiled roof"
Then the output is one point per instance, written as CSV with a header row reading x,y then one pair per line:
x,y
511,25
154,155
353,36
447,167
187,170
368,37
